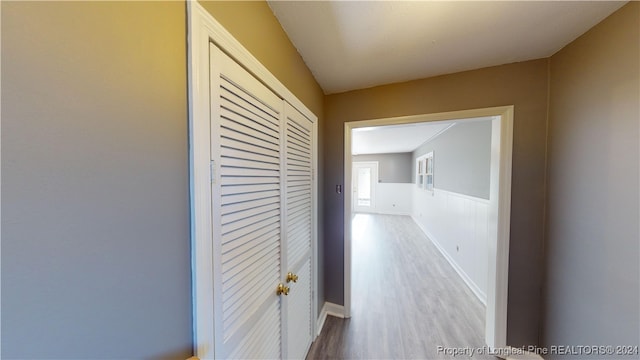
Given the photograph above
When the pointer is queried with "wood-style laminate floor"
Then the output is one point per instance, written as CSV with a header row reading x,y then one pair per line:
x,y
406,299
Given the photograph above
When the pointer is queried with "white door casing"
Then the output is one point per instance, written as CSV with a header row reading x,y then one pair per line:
x,y
499,209
235,213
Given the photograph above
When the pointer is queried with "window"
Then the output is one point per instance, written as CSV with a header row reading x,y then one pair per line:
x,y
420,172
424,172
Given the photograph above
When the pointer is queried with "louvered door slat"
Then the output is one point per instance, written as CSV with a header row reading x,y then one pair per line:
x,y
261,215
244,248
249,188
248,126
233,198
299,248
242,154
292,161
238,216
298,150
246,146
296,171
259,143
298,209
246,109
266,110
243,180
298,232
250,279
250,238
232,162
298,186
231,143
236,232
245,205
262,339
296,138
302,129
237,282
299,189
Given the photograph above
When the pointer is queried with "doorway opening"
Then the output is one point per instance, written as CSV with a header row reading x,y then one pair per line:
x,y
498,209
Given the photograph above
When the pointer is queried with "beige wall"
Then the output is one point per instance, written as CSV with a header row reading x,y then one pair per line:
x,y
592,244
523,85
253,24
95,192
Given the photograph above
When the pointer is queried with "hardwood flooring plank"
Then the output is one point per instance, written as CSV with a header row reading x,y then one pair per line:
x,y
406,299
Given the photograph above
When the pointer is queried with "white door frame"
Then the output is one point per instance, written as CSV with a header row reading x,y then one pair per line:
x,y
499,209
203,29
374,183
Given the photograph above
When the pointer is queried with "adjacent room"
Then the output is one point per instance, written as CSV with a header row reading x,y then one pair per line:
x,y
420,227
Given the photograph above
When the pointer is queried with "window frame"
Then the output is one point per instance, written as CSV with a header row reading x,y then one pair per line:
x,y
425,172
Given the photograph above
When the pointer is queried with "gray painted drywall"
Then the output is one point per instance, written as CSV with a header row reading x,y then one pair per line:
x,y
592,243
95,211
392,168
461,158
523,85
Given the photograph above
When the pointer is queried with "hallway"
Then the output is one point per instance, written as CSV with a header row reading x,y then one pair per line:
x,y
407,300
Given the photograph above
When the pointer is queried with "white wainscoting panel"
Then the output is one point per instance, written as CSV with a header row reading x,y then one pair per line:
x,y
458,225
394,198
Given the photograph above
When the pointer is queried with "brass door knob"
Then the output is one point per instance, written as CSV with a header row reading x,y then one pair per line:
x,y
282,290
292,277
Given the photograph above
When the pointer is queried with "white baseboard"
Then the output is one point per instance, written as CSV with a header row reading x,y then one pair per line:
x,y
393,213
401,213
467,280
329,309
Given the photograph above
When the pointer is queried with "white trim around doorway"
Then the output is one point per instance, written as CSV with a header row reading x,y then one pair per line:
x,y
202,30
499,208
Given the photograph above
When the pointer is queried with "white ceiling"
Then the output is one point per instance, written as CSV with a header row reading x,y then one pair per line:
x,y
398,138
357,44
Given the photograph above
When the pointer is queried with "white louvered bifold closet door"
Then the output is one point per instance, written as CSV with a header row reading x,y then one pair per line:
x,y
299,228
246,207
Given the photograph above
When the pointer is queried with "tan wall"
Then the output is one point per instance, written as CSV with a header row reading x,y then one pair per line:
x,y
95,191
592,248
253,24
523,85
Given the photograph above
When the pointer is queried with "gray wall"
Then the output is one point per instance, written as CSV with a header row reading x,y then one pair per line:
x,y
592,243
392,168
521,84
461,158
95,212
